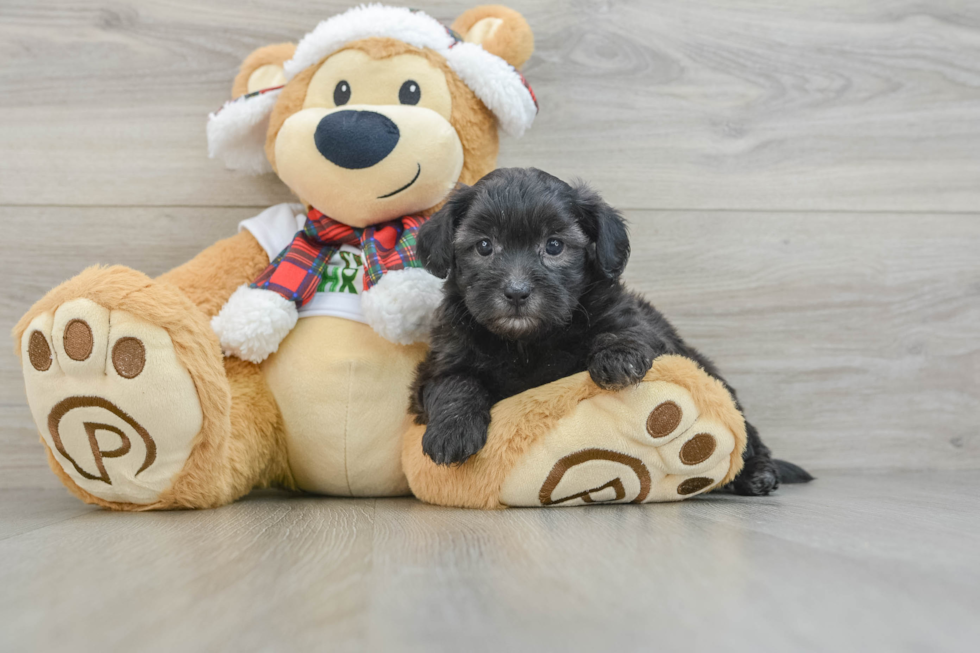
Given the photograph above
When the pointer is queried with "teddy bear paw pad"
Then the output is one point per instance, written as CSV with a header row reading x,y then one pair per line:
x,y
647,444
113,403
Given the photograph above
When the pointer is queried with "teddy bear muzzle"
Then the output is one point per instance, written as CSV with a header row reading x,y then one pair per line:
x,y
369,163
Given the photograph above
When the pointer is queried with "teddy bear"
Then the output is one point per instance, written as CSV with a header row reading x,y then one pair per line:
x,y
282,355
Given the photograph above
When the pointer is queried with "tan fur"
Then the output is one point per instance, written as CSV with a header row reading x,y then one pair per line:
x,y
520,421
473,122
477,130
512,41
277,54
212,276
223,465
258,440
290,101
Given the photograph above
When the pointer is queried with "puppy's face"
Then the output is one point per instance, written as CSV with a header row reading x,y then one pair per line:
x,y
520,261
521,247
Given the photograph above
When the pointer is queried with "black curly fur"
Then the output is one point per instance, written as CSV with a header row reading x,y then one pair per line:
x,y
577,315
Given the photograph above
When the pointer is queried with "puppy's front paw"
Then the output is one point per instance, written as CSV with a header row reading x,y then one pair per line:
x,y
619,366
452,440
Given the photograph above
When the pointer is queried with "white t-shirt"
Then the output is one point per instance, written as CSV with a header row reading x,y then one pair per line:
x,y
339,292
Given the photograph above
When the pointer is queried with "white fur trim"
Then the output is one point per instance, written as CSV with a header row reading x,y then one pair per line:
x,y
236,133
401,306
413,27
497,84
253,322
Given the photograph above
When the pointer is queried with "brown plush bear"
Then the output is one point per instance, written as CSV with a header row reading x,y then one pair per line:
x,y
282,355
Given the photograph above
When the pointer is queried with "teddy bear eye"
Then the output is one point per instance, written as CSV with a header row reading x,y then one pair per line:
x,y
554,247
484,247
341,93
410,93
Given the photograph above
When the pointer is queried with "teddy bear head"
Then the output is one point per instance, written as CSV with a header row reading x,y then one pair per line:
x,y
380,111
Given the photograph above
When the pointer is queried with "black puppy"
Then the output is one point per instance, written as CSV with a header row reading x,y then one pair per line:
x,y
532,294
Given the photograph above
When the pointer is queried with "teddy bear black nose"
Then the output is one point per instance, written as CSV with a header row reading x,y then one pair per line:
x,y
355,139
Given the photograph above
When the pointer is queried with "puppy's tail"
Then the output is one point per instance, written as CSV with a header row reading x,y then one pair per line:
x,y
790,473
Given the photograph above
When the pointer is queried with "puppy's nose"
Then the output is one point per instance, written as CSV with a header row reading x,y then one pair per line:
x,y
517,291
355,139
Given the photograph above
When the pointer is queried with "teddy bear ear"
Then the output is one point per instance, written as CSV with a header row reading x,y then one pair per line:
x,y
237,131
499,30
263,69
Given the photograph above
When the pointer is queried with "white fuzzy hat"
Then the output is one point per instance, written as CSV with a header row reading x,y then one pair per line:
x,y
236,132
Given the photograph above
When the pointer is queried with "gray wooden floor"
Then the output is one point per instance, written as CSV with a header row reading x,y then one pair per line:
x,y
874,562
803,184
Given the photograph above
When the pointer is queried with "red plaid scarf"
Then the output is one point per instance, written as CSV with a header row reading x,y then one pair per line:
x,y
297,271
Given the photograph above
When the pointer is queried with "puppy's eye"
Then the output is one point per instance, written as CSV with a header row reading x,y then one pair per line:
x,y
484,247
341,93
410,93
554,247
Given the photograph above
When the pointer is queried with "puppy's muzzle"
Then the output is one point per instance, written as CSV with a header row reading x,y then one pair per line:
x,y
355,139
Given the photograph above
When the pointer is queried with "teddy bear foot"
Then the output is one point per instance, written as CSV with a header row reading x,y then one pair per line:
x,y
674,435
115,404
650,443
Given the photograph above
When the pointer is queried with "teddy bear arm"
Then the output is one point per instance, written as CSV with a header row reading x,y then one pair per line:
x,y
211,277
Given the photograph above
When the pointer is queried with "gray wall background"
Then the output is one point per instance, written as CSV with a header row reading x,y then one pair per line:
x,y
802,180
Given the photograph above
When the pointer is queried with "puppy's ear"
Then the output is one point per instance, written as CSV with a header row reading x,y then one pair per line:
x,y
435,239
606,228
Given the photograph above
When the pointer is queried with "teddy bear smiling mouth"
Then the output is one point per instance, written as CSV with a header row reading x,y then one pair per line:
x,y
406,186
